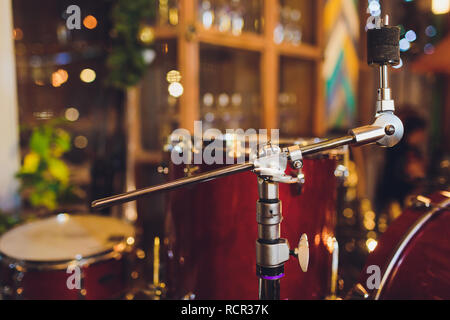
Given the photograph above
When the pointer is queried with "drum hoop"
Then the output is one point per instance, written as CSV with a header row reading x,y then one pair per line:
x,y
85,261
64,264
412,231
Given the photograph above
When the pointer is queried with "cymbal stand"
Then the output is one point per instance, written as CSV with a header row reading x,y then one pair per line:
x,y
269,163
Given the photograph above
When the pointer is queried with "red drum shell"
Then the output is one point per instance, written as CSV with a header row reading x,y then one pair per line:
x,y
101,280
103,275
422,269
213,231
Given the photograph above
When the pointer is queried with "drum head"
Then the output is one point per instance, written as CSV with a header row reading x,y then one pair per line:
x,y
64,238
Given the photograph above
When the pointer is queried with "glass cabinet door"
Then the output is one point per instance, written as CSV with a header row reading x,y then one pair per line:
x,y
296,97
231,16
229,88
159,104
296,22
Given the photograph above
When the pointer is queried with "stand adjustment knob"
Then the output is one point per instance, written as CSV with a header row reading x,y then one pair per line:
x,y
302,252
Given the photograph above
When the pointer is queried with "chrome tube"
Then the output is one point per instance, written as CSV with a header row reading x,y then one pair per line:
x,y
269,289
326,145
207,176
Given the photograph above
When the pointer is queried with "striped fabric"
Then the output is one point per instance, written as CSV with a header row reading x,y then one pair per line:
x,y
341,61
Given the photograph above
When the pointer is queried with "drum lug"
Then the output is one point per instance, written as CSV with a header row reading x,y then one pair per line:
x,y
298,187
420,202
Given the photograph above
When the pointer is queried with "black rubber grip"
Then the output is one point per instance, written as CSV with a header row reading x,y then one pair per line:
x,y
383,46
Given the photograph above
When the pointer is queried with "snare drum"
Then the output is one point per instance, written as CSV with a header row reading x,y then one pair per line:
x,y
212,231
413,255
66,257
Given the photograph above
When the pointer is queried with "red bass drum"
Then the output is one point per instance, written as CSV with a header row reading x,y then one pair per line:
x,y
212,232
413,255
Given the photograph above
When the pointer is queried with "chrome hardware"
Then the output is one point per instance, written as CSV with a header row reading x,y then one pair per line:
x,y
272,254
303,252
271,162
190,170
334,271
358,292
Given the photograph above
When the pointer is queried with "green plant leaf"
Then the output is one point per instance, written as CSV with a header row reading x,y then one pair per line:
x,y
31,163
59,170
40,142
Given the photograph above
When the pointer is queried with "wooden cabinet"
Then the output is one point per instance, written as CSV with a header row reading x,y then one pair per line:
x,y
244,64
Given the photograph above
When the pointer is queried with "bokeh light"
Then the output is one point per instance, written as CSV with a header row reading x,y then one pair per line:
x,y
428,49
80,142
405,45
59,77
173,76
440,6
410,36
371,244
88,75
90,22
430,31
176,89
72,114
17,34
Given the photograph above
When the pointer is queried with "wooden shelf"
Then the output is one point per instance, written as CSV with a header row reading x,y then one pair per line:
x,y
245,41
166,32
304,51
151,157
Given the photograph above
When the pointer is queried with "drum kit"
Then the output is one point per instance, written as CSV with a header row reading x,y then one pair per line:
x,y
213,247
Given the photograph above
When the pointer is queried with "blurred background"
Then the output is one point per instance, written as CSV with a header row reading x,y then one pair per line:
x,y
86,112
